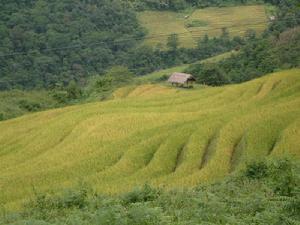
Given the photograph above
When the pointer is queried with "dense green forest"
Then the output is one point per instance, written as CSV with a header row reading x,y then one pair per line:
x,y
263,193
57,41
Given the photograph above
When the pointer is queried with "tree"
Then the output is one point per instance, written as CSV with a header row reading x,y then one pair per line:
x,y
173,42
73,90
119,74
208,74
74,30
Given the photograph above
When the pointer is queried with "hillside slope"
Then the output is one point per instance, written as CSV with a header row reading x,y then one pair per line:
x,y
168,137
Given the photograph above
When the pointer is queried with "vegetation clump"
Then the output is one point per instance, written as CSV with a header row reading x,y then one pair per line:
x,y
248,197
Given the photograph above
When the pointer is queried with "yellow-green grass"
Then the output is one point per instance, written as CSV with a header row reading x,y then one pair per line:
x,y
238,19
166,137
157,75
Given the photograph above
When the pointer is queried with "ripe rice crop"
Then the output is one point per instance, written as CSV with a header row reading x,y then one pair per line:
x,y
154,134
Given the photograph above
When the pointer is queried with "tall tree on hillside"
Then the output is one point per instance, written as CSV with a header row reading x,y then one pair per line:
x,y
173,42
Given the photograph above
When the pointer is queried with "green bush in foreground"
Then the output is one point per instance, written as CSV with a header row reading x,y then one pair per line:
x,y
264,193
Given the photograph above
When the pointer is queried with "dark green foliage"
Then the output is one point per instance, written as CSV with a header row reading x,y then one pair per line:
x,y
101,87
73,90
1,116
173,42
288,15
119,75
279,174
69,94
144,194
283,185
60,96
85,37
30,106
101,83
141,214
46,206
162,78
15,102
208,74
248,197
256,170
146,59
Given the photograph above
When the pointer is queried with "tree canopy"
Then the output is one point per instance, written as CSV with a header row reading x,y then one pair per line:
x,y
62,40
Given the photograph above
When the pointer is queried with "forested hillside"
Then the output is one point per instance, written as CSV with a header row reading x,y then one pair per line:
x,y
47,42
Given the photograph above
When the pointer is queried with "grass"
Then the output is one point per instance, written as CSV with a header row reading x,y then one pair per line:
x,y
155,134
209,21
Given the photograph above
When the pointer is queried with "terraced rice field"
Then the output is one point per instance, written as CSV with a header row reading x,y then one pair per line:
x,y
155,134
237,19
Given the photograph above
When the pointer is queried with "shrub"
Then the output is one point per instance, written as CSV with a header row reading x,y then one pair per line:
x,y
208,74
111,215
278,174
282,177
60,96
139,214
73,90
1,116
162,78
29,106
256,170
144,194
45,206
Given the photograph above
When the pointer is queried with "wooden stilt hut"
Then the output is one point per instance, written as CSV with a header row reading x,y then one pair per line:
x,y
181,79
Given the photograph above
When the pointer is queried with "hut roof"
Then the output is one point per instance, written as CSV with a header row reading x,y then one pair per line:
x,y
180,78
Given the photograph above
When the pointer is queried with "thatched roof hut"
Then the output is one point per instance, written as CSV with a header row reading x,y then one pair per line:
x,y
181,78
